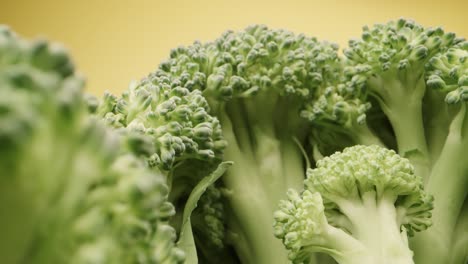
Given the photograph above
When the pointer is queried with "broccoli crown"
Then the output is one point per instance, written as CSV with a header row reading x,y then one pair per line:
x,y
382,52
362,183
448,73
388,63
338,116
339,119
175,118
260,66
400,44
359,170
242,63
362,169
337,106
71,190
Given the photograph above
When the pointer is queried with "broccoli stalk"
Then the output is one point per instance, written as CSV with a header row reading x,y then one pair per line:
x,y
459,251
358,206
448,181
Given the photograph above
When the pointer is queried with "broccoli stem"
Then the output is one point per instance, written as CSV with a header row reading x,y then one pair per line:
x,y
236,237
293,165
409,132
437,122
269,163
235,111
362,135
278,158
344,248
381,234
459,253
401,101
250,203
448,183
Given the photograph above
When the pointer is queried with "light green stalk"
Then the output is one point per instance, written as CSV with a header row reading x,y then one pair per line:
x,y
449,185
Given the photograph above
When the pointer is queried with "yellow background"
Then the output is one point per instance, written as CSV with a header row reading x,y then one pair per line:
x,y
114,42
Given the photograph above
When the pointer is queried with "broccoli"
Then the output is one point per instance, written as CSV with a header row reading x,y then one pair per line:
x,y
283,99
358,205
389,63
175,118
256,81
404,83
119,179
185,144
448,181
72,191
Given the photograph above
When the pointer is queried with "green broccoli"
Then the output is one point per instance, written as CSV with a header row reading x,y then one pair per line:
x,y
71,191
118,179
358,206
256,82
448,181
405,84
185,144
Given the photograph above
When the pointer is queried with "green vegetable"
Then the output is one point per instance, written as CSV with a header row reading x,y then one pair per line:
x,y
185,142
404,84
186,241
119,179
71,191
256,82
448,181
359,206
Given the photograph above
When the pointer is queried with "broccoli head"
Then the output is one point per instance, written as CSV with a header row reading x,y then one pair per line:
x,y
359,206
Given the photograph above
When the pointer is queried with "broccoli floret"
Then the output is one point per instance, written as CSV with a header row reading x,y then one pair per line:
x,y
71,190
358,206
388,64
186,142
338,116
175,118
256,82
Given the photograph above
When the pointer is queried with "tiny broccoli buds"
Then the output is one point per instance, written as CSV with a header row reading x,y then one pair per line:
x,y
358,206
448,72
176,118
